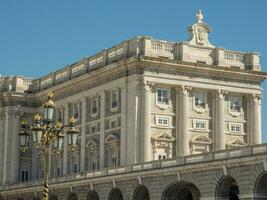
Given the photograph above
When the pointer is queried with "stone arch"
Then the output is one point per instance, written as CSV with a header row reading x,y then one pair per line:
x,y
92,195
53,197
72,196
227,188
141,193
182,191
115,194
261,187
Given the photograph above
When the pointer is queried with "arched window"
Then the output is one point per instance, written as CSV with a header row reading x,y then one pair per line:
x,y
92,195
115,194
53,197
181,191
261,187
92,155
141,193
72,196
113,150
227,188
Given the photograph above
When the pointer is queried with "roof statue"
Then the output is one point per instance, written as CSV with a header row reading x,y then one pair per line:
x,y
199,32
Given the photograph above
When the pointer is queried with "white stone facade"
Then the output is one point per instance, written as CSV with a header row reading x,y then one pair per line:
x,y
138,101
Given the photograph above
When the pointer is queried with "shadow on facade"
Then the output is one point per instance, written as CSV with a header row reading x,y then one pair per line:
x,y
261,187
115,194
72,196
92,195
141,193
181,191
227,188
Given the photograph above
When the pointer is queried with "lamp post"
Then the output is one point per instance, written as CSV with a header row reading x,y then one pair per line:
x,y
45,132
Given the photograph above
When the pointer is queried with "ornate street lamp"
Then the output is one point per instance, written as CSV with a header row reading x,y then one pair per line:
x,y
44,133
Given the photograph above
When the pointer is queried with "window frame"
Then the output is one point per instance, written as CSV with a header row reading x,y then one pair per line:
x,y
199,108
235,113
97,106
162,118
201,121
116,91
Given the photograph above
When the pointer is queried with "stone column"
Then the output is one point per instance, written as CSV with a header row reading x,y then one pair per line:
x,y
2,134
102,131
255,134
83,134
182,124
65,147
219,136
146,120
123,140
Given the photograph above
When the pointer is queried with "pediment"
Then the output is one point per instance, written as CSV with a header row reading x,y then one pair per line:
x,y
201,140
237,142
163,136
92,142
111,139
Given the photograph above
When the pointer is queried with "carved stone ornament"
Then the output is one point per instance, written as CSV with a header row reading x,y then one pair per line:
x,y
199,32
236,143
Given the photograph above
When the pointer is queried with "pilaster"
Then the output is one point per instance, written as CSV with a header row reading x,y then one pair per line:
x,y
182,134
145,140
102,130
83,134
219,129
123,138
255,119
65,146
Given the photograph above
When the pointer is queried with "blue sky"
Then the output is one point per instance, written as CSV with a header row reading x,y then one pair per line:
x,y
38,37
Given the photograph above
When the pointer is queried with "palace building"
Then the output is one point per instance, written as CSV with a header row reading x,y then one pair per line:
x,y
143,100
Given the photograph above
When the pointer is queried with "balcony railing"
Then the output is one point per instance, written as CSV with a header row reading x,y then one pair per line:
x,y
158,164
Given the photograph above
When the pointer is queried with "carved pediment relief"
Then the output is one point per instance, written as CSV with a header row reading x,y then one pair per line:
x,y
199,32
111,139
201,140
237,143
92,142
163,137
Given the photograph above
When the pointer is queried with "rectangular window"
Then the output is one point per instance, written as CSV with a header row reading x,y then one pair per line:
x,y
24,176
58,171
114,99
114,161
113,123
59,116
162,121
235,104
93,129
94,105
235,128
162,96
200,124
76,111
199,99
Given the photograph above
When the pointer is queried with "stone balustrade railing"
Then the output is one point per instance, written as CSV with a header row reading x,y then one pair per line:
x,y
179,161
147,46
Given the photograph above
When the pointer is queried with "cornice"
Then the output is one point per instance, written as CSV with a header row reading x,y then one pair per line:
x,y
204,69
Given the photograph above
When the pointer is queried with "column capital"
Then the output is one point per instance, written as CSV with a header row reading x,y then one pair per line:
x,y
183,89
256,98
147,85
221,93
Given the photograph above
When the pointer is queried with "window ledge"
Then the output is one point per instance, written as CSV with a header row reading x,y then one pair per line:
x,y
162,127
163,106
235,114
94,114
114,109
200,110
235,133
200,130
